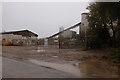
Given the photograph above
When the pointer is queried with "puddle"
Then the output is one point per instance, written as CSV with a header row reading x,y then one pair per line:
x,y
95,69
38,50
61,67
89,69
55,56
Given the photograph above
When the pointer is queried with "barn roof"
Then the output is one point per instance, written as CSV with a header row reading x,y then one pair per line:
x,y
25,33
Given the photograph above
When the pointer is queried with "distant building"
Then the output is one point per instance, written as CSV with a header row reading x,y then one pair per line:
x,y
67,39
69,34
23,37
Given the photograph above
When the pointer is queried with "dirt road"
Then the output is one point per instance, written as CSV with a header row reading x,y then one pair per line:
x,y
47,54
16,69
88,61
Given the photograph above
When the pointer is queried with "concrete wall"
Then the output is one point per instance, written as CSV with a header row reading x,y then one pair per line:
x,y
11,36
20,40
32,37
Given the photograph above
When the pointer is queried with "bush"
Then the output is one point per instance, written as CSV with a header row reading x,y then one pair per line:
x,y
115,55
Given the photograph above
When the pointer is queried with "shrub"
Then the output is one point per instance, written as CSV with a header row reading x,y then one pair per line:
x,y
115,55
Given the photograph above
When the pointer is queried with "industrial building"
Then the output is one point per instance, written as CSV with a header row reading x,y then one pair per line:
x,y
69,38
23,37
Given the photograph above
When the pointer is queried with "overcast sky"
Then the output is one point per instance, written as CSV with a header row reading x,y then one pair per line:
x,y
43,18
